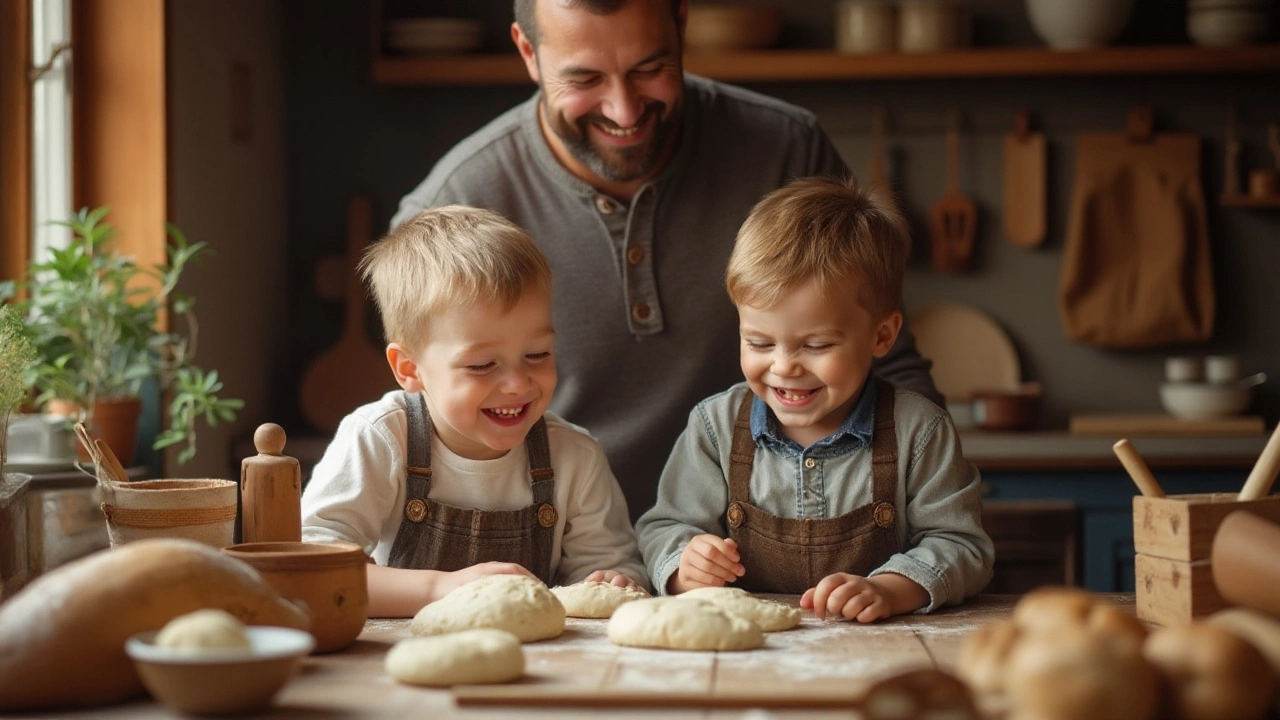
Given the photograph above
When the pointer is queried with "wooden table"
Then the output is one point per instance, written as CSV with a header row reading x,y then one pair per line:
x,y
819,656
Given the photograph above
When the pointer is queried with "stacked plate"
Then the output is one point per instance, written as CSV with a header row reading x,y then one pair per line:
x,y
434,35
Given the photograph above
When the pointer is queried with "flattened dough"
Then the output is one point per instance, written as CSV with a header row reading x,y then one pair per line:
x,y
595,599
461,658
676,624
522,606
204,630
769,615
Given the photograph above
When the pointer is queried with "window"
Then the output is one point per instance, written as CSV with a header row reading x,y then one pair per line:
x,y
51,123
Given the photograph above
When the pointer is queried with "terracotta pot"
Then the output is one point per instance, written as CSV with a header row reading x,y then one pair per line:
x,y
330,578
114,420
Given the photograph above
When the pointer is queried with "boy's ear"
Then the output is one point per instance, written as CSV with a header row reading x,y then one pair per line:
x,y
404,368
887,333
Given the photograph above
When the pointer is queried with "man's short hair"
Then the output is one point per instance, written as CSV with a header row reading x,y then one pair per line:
x,y
821,230
452,256
528,22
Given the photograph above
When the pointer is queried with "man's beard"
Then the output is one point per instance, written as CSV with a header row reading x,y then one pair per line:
x,y
613,163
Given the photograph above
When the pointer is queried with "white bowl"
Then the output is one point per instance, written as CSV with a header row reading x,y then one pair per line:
x,y
1226,26
1202,401
1078,24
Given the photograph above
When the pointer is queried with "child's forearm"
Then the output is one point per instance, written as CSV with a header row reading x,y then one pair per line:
x,y
399,592
904,594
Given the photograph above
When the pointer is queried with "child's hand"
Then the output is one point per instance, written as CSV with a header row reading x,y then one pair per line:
x,y
613,577
852,596
707,561
453,580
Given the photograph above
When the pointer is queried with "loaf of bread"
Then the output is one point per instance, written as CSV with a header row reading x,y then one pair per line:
x,y
62,637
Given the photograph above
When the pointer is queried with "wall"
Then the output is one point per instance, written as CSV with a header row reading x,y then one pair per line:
x,y
228,189
347,136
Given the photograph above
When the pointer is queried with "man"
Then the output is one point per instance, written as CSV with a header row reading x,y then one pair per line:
x,y
633,179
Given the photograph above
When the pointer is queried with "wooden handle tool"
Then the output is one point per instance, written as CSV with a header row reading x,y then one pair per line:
x,y
1264,471
112,463
1137,468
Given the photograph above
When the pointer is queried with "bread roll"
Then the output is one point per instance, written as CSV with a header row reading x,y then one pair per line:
x,y
1214,674
1077,673
1053,607
984,654
1262,630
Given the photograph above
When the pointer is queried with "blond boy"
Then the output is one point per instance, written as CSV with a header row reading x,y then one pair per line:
x,y
464,473
813,477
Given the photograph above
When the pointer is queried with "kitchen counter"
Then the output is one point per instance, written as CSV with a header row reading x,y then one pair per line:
x,y
822,657
1062,450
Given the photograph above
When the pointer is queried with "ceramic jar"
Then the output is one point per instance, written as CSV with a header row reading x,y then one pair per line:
x,y
932,25
866,26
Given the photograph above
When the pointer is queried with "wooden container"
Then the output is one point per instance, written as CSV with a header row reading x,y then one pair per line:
x,y
202,510
1173,537
331,578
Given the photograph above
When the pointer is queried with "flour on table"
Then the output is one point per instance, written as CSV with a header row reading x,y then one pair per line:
x,y
595,599
467,657
675,624
522,606
771,616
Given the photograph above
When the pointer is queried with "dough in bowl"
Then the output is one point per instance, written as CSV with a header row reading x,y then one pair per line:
x,y
522,606
203,630
675,624
769,615
469,657
595,599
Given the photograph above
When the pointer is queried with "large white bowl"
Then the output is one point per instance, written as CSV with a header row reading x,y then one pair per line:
x,y
1078,24
1202,401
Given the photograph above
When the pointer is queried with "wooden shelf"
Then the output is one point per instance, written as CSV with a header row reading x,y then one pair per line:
x,y
1249,202
813,65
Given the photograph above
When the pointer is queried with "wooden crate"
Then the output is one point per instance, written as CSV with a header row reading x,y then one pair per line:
x,y
1173,537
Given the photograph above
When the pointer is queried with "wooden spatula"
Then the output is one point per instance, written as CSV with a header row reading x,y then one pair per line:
x,y
1024,184
953,219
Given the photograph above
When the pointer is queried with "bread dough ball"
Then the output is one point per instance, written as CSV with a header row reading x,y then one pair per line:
x,y
1075,673
595,599
469,657
204,630
522,606
1052,607
984,656
1215,674
675,624
769,615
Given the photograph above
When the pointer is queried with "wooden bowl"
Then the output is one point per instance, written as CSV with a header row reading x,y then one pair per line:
x,y
330,578
220,681
1013,409
725,27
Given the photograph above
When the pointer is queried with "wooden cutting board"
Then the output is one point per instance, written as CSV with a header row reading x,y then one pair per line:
x,y
1024,184
1164,425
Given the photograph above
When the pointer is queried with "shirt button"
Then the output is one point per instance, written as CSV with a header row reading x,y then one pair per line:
x,y
640,311
604,204
635,254
809,463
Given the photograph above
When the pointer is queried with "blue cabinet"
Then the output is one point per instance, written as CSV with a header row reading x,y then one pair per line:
x,y
1104,500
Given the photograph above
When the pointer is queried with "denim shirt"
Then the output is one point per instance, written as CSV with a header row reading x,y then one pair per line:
x,y
938,498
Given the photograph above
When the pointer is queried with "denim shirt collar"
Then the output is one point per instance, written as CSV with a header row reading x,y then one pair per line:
x,y
854,432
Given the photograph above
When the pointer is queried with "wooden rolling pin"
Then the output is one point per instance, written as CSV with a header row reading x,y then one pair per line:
x,y
1264,471
1245,561
1137,468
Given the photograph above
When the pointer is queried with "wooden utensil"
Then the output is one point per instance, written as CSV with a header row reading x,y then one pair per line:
x,y
914,695
111,462
1137,468
1024,184
353,371
1245,561
1264,471
953,219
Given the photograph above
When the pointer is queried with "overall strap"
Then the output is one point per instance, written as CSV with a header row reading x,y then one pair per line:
x,y
540,472
884,447
418,462
742,454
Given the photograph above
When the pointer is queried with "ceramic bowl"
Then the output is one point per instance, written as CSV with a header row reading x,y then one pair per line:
x,y
1226,26
1078,24
331,578
220,681
1201,401
720,27
1013,409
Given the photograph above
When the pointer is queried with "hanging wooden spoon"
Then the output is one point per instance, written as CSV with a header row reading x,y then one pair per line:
x,y
953,219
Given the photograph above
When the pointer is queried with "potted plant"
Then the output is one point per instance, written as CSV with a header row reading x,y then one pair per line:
x,y
94,317
17,355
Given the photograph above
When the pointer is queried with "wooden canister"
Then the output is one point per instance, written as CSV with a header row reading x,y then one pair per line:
x,y
271,490
329,577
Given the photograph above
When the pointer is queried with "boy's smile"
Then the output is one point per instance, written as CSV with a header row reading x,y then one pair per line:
x,y
487,373
807,357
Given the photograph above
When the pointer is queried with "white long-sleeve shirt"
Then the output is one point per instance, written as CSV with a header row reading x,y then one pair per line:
x,y
357,491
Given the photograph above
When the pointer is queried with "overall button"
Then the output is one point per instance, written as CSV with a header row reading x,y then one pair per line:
x,y
604,204
810,463
635,254
415,510
884,514
640,311
546,515
735,515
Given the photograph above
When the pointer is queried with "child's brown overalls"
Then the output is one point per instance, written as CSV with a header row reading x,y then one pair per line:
x,y
784,555
435,536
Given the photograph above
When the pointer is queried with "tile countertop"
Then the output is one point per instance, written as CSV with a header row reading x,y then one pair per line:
x,y
1061,450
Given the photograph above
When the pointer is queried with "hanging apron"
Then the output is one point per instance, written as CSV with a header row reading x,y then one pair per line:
x,y
435,536
791,555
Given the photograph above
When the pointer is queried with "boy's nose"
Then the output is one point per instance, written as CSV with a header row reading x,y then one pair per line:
x,y
786,366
